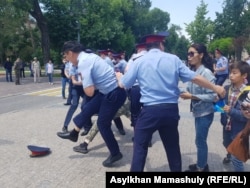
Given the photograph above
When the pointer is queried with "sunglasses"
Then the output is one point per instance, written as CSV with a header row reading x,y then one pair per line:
x,y
191,54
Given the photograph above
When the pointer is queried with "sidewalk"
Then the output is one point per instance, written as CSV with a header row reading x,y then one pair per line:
x,y
27,85
64,168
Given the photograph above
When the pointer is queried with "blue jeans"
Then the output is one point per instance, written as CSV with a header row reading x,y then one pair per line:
x,y
8,75
238,165
50,76
69,99
64,82
202,125
74,104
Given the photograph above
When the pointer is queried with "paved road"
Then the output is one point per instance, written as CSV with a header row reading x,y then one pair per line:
x,y
66,169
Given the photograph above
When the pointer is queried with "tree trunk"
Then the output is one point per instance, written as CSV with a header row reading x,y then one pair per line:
x,y
42,25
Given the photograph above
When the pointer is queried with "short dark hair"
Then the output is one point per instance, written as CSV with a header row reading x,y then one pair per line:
x,y
243,67
72,46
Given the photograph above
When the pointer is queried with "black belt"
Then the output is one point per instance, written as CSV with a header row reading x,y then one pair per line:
x,y
162,105
135,86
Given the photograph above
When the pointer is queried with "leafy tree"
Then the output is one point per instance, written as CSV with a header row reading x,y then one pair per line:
x,y
224,44
62,25
200,29
33,8
17,36
233,22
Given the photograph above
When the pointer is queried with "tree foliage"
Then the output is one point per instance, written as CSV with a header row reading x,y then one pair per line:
x,y
201,28
40,27
234,22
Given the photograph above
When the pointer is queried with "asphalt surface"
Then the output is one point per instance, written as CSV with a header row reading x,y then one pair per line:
x,y
65,168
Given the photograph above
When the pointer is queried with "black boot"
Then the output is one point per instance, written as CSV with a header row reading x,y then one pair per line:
x,y
82,148
73,135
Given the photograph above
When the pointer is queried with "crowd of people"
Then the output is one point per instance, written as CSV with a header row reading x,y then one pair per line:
x,y
145,90
149,81
34,69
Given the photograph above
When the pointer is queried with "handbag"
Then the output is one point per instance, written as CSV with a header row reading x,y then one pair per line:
x,y
239,147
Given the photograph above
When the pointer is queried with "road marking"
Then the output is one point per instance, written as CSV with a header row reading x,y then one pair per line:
x,y
54,92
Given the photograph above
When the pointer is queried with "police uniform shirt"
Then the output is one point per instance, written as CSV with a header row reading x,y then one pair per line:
x,y
222,62
120,66
95,72
109,62
158,74
73,72
133,58
68,67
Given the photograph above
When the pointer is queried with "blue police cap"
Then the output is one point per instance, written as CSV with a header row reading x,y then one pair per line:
x,y
37,151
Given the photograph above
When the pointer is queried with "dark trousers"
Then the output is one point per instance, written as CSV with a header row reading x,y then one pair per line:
x,y
164,119
134,96
118,123
220,79
22,73
8,75
106,107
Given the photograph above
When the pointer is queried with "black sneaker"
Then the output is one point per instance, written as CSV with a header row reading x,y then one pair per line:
x,y
193,168
111,159
82,148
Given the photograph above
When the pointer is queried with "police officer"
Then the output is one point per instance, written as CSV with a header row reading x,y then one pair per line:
x,y
221,68
158,74
96,75
104,55
134,92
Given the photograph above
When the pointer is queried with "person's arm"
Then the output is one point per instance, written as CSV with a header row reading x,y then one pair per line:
x,y
89,91
74,80
66,72
203,82
118,77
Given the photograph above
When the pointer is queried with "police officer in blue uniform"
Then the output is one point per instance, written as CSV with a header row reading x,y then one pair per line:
x,y
134,94
158,74
96,75
221,68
